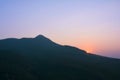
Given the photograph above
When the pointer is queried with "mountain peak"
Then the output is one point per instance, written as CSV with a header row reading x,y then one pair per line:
x,y
40,36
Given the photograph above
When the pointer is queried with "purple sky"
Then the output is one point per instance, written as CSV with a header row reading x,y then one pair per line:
x,y
92,25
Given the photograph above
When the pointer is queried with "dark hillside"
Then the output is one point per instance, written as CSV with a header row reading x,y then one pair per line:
x,y
40,58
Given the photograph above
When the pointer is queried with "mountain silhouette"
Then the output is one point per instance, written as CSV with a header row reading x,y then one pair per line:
x,y
40,58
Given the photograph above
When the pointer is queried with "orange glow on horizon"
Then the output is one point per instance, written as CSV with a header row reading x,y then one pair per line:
x,y
88,48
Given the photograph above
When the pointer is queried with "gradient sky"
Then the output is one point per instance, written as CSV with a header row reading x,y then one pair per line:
x,y
92,25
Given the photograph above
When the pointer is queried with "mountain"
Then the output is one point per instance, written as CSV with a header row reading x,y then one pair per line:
x,y
40,58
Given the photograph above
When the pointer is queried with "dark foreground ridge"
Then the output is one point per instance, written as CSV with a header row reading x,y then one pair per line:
x,y
40,58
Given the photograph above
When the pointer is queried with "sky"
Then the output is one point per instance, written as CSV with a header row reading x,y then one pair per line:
x,y
91,25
